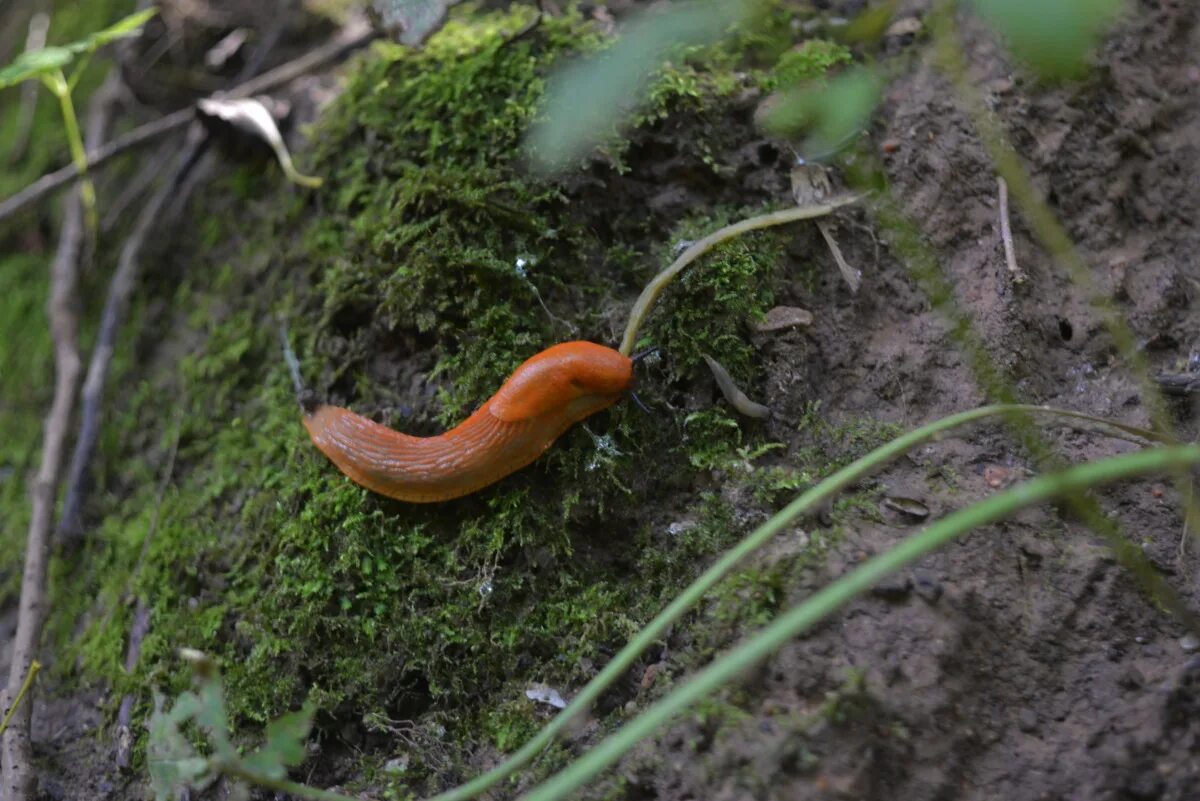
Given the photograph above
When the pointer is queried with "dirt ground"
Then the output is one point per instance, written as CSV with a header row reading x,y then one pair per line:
x,y
1021,662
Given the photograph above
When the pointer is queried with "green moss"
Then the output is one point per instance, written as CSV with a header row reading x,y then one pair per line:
x,y
427,267
47,144
30,362
807,62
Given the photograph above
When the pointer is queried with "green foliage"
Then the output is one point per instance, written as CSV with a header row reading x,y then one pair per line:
x,y
808,62
710,307
1055,38
831,113
303,584
586,97
49,60
174,762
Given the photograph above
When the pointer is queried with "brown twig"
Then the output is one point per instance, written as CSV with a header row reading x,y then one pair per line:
x,y
174,191
351,38
1010,253
171,196
137,633
19,779
853,277
39,26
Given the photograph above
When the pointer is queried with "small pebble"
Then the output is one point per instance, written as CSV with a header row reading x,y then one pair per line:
x,y
927,587
892,588
1131,678
1189,643
1027,720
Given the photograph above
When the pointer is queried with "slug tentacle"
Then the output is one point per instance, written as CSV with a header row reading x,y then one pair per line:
x,y
544,397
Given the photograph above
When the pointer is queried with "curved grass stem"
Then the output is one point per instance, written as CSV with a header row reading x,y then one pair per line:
x,y
820,605
809,500
645,302
34,667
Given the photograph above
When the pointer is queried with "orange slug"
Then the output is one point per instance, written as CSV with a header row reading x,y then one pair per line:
x,y
546,395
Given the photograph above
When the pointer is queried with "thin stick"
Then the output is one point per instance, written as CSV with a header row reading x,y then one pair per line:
x,y
19,779
645,301
137,633
853,277
116,304
39,26
351,38
1010,253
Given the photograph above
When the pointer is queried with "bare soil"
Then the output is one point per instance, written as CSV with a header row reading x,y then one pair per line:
x,y
1022,662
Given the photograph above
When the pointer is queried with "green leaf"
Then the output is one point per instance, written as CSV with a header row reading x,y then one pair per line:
x,y
210,712
411,22
1054,38
34,64
585,97
284,747
172,762
830,113
129,26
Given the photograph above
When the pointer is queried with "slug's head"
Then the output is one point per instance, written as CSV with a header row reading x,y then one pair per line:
x,y
569,381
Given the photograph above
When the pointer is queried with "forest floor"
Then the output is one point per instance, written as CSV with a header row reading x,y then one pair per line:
x,y
1018,663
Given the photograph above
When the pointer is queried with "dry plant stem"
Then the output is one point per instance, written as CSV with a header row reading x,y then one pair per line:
x,y
853,277
174,190
170,198
1050,231
351,38
1010,252
137,633
19,779
645,301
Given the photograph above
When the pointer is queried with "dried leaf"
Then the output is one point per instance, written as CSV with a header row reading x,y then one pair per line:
x,y
909,507
546,695
733,394
252,117
783,317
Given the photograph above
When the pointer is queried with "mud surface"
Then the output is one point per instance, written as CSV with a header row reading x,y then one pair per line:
x,y
1022,662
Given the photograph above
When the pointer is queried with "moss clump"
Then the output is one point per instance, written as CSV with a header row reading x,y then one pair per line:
x,y
807,62
427,267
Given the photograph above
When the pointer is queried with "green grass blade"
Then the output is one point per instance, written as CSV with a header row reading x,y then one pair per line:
x,y
728,561
826,601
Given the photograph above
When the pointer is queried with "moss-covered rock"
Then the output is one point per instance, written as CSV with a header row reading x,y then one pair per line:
x,y
424,271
